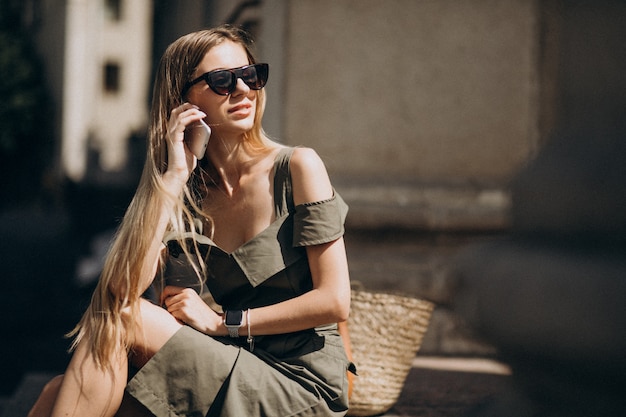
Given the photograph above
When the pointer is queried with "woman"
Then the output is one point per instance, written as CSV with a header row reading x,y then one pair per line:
x,y
272,255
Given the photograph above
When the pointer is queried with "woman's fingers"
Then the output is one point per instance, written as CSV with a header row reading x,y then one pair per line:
x,y
168,293
187,307
180,118
180,159
179,298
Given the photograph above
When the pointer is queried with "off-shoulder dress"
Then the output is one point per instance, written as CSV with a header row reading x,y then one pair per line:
x,y
293,374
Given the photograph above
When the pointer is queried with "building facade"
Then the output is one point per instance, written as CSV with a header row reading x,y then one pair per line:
x,y
98,56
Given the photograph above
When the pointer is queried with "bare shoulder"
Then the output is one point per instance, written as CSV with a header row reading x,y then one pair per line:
x,y
309,177
306,159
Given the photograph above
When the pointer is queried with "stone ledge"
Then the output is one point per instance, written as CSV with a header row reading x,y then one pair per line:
x,y
435,386
427,208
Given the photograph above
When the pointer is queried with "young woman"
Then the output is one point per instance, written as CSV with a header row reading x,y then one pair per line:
x,y
259,223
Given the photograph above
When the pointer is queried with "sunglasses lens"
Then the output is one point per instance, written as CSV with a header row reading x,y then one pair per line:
x,y
222,82
255,76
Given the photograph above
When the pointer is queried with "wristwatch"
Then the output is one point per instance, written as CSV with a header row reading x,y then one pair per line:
x,y
233,320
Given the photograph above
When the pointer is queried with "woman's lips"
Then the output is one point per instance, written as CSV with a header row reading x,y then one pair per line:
x,y
242,108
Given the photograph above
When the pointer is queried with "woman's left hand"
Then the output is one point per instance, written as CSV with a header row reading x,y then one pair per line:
x,y
187,307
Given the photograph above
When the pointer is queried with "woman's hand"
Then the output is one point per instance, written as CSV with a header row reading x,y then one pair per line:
x,y
181,161
187,307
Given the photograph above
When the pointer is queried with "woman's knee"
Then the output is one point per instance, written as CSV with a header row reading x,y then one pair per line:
x,y
150,317
155,326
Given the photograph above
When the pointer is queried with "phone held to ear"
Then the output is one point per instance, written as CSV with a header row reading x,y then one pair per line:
x,y
197,138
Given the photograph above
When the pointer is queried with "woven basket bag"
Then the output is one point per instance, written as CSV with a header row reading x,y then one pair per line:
x,y
386,331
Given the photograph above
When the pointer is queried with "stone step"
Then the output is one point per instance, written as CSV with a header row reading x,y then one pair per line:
x,y
25,395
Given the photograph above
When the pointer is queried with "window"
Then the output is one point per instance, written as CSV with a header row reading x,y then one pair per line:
x,y
111,77
113,9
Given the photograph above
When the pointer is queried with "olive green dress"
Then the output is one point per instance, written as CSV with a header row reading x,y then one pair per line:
x,y
294,374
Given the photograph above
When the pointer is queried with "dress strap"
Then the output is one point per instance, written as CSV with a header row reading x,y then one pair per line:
x,y
283,197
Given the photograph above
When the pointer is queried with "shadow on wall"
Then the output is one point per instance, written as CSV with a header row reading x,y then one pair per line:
x,y
551,297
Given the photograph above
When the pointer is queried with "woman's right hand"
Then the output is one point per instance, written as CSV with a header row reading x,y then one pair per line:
x,y
180,160
187,307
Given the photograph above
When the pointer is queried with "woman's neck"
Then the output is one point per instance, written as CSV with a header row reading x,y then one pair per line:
x,y
229,161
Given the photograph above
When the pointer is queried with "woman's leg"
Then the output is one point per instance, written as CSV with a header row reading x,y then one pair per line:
x,y
87,390
45,402
130,407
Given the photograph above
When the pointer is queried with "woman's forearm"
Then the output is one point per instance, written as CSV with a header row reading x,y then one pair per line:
x,y
328,301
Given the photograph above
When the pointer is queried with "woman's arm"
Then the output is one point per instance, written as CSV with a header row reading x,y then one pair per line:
x,y
329,300
150,211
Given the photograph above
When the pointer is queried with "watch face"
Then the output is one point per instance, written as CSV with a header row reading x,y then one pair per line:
x,y
234,317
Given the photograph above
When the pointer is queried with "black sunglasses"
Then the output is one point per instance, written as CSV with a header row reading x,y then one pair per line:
x,y
224,82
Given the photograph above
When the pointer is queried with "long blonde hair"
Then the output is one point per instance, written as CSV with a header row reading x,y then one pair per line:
x,y
104,326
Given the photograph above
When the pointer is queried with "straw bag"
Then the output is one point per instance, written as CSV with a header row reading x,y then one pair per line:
x,y
386,331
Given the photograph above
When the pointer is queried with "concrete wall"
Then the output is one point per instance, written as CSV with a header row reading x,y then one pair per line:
x,y
415,102
427,90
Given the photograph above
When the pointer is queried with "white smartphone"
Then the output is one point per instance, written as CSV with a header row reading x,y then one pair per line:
x,y
197,138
